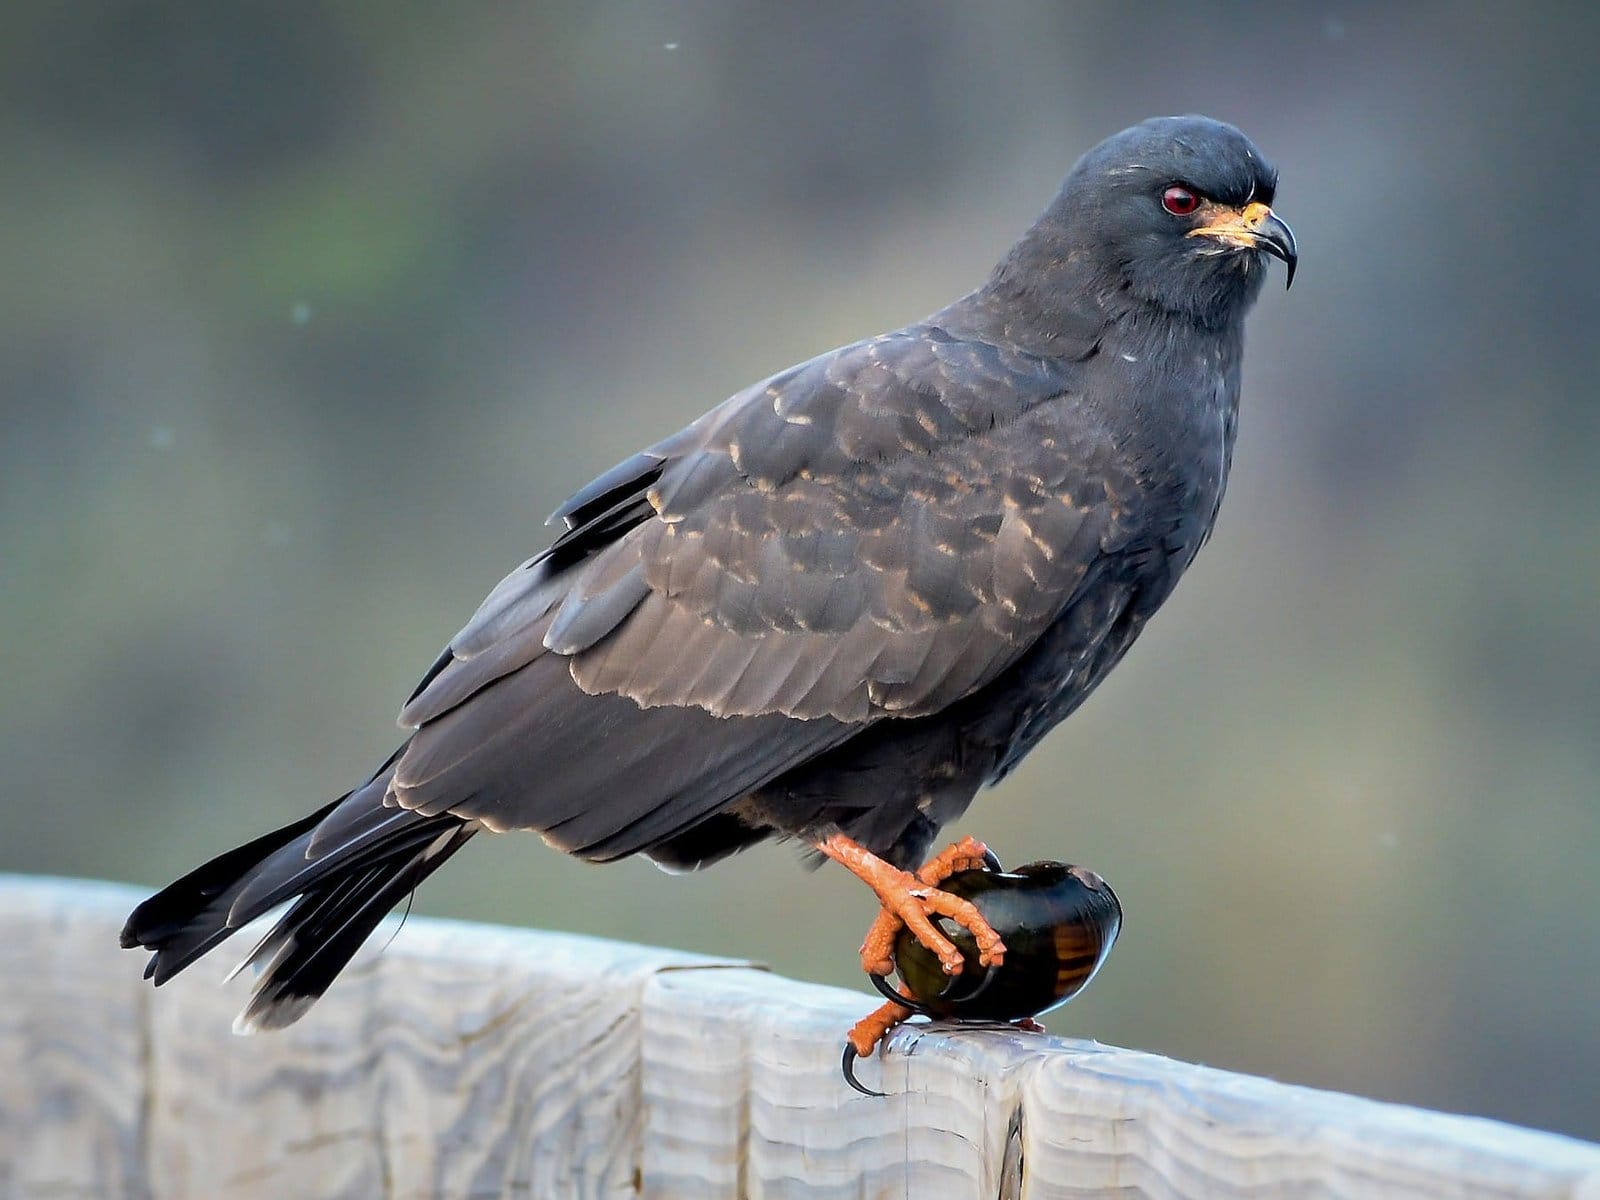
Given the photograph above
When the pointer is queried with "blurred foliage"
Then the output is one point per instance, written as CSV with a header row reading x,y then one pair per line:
x,y
310,313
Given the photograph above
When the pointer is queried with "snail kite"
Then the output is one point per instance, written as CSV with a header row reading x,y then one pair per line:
x,y
833,607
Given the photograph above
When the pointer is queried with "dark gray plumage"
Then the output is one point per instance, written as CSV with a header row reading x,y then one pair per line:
x,y
840,602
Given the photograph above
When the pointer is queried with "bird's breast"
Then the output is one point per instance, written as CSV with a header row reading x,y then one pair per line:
x,y
1174,406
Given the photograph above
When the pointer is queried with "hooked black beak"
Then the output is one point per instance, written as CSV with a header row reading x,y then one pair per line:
x,y
1277,239
1255,227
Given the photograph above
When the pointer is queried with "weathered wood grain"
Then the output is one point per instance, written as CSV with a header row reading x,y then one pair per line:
x,y
474,1061
74,1069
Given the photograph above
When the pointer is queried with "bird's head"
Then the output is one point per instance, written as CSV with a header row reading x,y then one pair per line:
x,y
1175,212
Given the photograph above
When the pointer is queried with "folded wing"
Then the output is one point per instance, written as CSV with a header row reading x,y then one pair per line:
x,y
869,536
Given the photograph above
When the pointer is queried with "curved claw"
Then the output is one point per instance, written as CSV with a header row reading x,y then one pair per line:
x,y
882,984
989,974
991,860
847,1064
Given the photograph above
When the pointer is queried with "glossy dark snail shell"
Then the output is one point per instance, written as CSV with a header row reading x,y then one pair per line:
x,y
1058,923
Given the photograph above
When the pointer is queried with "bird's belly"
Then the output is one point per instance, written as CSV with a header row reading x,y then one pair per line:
x,y
1050,682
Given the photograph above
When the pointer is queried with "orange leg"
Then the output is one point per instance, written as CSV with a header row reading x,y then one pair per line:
x,y
864,1037
866,1033
914,900
965,855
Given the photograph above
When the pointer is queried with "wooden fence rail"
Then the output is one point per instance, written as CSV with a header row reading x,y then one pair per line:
x,y
475,1061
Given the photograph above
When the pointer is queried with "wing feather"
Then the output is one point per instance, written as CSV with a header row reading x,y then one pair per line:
x,y
872,535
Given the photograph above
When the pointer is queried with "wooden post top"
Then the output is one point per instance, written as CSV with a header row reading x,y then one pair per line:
x,y
475,1060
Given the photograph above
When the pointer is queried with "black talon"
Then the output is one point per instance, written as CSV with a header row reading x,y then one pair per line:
x,y
911,1002
991,972
847,1064
991,860
950,981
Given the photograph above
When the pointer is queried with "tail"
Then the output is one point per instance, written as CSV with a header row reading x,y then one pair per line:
x,y
341,887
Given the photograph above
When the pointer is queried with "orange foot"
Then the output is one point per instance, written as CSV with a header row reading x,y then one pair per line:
x,y
913,900
865,1035
877,949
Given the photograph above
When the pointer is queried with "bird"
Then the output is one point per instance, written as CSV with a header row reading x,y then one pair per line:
x,y
831,609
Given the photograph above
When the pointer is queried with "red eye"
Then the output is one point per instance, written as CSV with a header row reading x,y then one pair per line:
x,y
1179,201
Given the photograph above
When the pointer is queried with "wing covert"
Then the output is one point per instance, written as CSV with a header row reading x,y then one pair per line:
x,y
873,534
877,532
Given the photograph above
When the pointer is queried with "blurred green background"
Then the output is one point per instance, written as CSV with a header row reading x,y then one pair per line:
x,y
308,315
